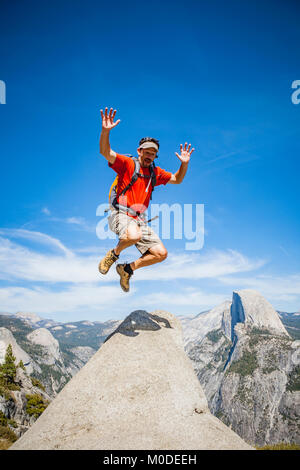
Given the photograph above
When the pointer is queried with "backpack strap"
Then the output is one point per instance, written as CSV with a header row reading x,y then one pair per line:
x,y
136,174
153,177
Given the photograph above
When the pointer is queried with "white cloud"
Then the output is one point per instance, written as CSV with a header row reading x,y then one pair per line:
x,y
85,299
45,211
187,297
36,237
80,222
22,263
73,220
191,265
57,279
278,290
89,300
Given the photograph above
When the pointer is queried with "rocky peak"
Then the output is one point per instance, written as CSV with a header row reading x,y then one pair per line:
x,y
249,370
248,307
251,308
43,337
31,317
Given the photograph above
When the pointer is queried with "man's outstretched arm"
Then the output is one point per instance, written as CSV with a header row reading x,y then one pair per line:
x,y
184,157
107,125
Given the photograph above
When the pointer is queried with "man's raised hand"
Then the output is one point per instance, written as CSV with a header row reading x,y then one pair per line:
x,y
108,119
185,153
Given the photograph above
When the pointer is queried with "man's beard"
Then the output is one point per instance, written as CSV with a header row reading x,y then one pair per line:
x,y
147,161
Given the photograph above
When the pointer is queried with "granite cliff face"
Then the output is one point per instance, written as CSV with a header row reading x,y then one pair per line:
x,y
197,327
254,311
248,366
52,363
50,345
48,366
139,391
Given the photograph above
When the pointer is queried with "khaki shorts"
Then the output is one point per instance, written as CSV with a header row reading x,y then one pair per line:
x,y
119,222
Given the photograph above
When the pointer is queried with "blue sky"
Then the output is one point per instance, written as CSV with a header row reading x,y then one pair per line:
x,y
216,74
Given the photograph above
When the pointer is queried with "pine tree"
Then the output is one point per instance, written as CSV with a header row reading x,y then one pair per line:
x,y
8,369
21,364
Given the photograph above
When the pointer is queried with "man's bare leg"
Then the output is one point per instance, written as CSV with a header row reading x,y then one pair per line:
x,y
132,235
156,254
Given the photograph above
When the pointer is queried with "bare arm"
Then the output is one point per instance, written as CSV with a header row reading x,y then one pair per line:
x,y
105,149
107,125
177,177
184,157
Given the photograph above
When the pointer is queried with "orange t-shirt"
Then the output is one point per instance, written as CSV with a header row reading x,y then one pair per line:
x,y
136,196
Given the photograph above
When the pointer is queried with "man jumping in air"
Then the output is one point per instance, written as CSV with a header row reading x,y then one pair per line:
x,y
130,197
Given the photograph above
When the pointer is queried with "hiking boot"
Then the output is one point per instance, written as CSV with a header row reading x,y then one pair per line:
x,y
107,261
124,276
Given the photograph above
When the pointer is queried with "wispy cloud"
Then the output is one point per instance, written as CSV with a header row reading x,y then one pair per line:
x,y
23,263
47,277
45,211
284,250
37,237
186,297
199,266
79,221
76,220
285,288
84,300
228,160
221,157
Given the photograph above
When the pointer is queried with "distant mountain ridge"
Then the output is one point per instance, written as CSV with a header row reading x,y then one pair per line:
x,y
54,351
241,347
97,331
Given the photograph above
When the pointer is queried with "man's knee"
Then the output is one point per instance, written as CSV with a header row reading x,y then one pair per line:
x,y
133,234
160,252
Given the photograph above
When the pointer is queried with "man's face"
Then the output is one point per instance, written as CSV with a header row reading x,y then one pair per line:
x,y
146,156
